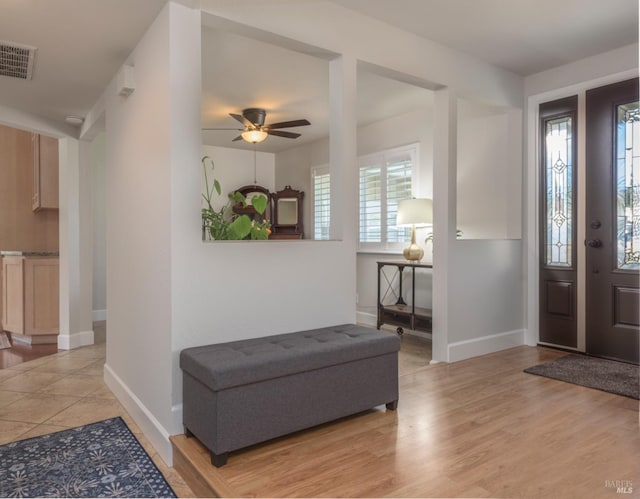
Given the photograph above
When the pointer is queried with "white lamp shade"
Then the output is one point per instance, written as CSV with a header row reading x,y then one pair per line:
x,y
415,212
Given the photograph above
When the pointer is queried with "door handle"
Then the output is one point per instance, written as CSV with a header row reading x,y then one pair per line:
x,y
594,243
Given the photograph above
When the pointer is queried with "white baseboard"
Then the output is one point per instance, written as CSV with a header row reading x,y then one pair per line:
x,y
366,319
99,315
467,349
150,426
75,340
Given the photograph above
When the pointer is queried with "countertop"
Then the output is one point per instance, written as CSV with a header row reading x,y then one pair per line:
x,y
29,253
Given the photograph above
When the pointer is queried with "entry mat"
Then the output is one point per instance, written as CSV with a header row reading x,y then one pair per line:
x,y
606,375
102,459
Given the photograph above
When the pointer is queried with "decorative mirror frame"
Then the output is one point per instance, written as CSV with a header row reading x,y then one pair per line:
x,y
246,190
287,231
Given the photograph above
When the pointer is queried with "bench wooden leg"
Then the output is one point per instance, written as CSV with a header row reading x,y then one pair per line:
x,y
392,406
219,460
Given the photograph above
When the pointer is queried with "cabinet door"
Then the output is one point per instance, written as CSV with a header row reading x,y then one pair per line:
x,y
41,296
45,172
13,294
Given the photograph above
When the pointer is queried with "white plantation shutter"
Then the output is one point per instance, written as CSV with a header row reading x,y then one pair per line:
x,y
371,204
385,179
321,202
398,188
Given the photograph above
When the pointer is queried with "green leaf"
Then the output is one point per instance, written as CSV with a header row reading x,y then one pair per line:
x,y
236,197
216,186
259,233
259,203
240,227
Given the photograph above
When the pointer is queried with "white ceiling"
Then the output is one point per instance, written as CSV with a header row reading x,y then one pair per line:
x,y
523,36
80,46
81,43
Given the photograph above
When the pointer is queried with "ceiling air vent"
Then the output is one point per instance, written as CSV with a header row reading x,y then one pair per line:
x,y
16,60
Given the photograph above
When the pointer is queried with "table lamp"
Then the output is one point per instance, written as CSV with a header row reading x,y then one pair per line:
x,y
412,212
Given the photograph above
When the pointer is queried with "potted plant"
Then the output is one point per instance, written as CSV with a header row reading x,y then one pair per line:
x,y
222,224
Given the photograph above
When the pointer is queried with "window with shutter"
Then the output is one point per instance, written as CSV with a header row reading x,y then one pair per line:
x,y
385,179
321,202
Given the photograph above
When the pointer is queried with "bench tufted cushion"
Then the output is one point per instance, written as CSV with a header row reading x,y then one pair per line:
x,y
237,363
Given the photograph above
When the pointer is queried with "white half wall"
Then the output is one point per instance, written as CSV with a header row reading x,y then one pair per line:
x,y
485,289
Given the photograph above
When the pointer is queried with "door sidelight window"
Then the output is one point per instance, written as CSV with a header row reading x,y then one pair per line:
x,y
628,186
558,185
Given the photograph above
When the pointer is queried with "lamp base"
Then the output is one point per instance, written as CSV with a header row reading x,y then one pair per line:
x,y
413,252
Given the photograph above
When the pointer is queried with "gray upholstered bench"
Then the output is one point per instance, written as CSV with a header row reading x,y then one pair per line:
x,y
241,393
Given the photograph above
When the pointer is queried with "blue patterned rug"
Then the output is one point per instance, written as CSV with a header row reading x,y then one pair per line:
x,y
101,459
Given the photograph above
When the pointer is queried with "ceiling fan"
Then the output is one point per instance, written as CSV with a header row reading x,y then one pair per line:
x,y
255,130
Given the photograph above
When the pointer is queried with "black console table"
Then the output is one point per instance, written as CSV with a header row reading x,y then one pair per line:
x,y
400,313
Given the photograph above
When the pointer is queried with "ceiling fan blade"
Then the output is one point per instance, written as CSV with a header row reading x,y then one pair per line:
x,y
288,135
239,137
287,124
242,120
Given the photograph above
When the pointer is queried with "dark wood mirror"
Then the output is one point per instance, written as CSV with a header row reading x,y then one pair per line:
x,y
287,214
249,191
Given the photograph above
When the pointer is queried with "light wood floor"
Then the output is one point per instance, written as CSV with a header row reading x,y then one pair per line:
x,y
477,428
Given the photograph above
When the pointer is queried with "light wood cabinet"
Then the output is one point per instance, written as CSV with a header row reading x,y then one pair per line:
x,y
13,294
45,172
30,298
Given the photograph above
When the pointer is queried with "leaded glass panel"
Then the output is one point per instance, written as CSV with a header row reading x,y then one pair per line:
x,y
628,187
559,191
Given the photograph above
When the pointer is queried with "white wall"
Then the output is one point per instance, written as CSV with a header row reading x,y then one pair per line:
x,y
140,141
489,171
98,206
328,26
234,168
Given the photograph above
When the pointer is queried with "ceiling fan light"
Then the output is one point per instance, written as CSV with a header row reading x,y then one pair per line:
x,y
254,136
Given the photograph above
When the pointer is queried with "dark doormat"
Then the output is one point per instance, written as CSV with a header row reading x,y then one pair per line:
x,y
606,375
102,459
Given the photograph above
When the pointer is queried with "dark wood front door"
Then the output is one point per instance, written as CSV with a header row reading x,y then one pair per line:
x,y
613,221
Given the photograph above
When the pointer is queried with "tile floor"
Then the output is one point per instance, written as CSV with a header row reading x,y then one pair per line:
x,y
64,390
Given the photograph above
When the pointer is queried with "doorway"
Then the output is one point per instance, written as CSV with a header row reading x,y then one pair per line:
x,y
609,273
